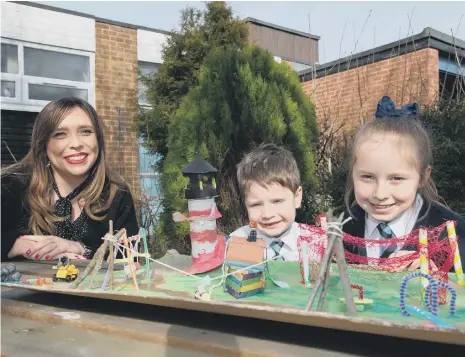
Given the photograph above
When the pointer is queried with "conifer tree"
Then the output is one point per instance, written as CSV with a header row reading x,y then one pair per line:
x,y
243,98
183,55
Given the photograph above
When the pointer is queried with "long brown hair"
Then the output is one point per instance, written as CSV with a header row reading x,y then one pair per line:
x,y
414,134
39,194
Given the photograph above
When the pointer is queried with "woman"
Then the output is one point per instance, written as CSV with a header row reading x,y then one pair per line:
x,y
59,199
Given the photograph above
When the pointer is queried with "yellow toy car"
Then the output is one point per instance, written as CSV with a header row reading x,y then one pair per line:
x,y
65,271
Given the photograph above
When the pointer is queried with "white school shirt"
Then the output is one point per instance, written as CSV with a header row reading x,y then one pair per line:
x,y
289,250
400,226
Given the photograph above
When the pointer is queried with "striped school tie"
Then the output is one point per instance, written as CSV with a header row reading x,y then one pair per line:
x,y
386,232
276,246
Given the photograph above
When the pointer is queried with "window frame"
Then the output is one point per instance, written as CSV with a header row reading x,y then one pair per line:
x,y
9,77
13,77
144,104
55,83
22,81
8,42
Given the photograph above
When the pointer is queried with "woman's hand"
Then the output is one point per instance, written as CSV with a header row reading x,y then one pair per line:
x,y
37,247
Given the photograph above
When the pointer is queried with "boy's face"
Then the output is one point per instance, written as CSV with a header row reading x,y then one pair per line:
x,y
272,207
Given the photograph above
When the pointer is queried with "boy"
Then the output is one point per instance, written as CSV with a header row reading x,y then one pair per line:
x,y
269,181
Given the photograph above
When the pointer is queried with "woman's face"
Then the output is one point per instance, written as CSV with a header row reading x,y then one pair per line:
x,y
73,148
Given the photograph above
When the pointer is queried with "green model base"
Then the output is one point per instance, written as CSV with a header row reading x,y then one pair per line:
x,y
381,287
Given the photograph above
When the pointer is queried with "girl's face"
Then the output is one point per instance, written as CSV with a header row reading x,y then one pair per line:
x,y
385,176
72,148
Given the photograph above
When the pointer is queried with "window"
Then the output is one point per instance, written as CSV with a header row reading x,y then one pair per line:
x,y
34,74
8,89
145,69
10,73
450,85
451,78
297,67
151,189
51,92
51,64
9,58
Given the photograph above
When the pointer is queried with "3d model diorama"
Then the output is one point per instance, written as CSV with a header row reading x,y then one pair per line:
x,y
328,277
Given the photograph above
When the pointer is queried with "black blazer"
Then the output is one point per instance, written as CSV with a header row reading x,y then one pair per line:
x,y
436,216
15,216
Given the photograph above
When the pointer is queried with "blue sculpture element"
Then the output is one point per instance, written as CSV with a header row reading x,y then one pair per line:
x,y
431,289
430,317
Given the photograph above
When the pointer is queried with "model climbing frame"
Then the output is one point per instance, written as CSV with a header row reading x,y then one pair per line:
x,y
335,248
117,245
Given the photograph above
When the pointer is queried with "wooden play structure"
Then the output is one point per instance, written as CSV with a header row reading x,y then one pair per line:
x,y
335,248
120,250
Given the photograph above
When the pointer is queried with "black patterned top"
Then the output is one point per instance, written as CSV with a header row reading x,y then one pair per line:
x,y
15,217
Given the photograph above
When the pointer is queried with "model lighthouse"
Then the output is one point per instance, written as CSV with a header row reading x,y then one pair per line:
x,y
207,246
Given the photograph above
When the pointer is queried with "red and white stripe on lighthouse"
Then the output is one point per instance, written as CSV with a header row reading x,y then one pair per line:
x,y
207,246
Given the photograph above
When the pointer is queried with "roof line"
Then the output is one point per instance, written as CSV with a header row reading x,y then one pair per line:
x,y
281,28
137,27
97,19
428,38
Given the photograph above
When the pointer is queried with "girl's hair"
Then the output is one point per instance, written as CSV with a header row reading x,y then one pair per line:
x,y
39,194
410,132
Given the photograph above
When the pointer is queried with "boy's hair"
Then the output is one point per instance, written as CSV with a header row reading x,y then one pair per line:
x,y
411,132
267,164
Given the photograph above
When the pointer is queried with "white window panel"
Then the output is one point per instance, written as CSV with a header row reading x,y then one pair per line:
x,y
40,91
10,88
11,73
21,107
49,92
145,69
19,45
10,63
51,73
56,65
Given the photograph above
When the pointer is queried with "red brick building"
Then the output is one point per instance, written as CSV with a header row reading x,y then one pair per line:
x,y
419,68
116,78
98,60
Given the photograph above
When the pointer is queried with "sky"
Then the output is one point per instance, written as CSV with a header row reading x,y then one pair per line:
x,y
344,27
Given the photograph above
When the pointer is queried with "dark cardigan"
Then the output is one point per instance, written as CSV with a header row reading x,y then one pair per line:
x,y
16,214
436,216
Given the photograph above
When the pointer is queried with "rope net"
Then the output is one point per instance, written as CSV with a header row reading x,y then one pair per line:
x,y
440,255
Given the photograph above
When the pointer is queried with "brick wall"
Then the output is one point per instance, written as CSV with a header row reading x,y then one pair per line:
x,y
116,88
351,96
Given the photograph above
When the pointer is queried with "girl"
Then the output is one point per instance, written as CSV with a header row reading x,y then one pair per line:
x,y
390,176
59,198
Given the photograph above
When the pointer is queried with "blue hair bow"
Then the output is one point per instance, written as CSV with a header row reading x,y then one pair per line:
x,y
387,108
